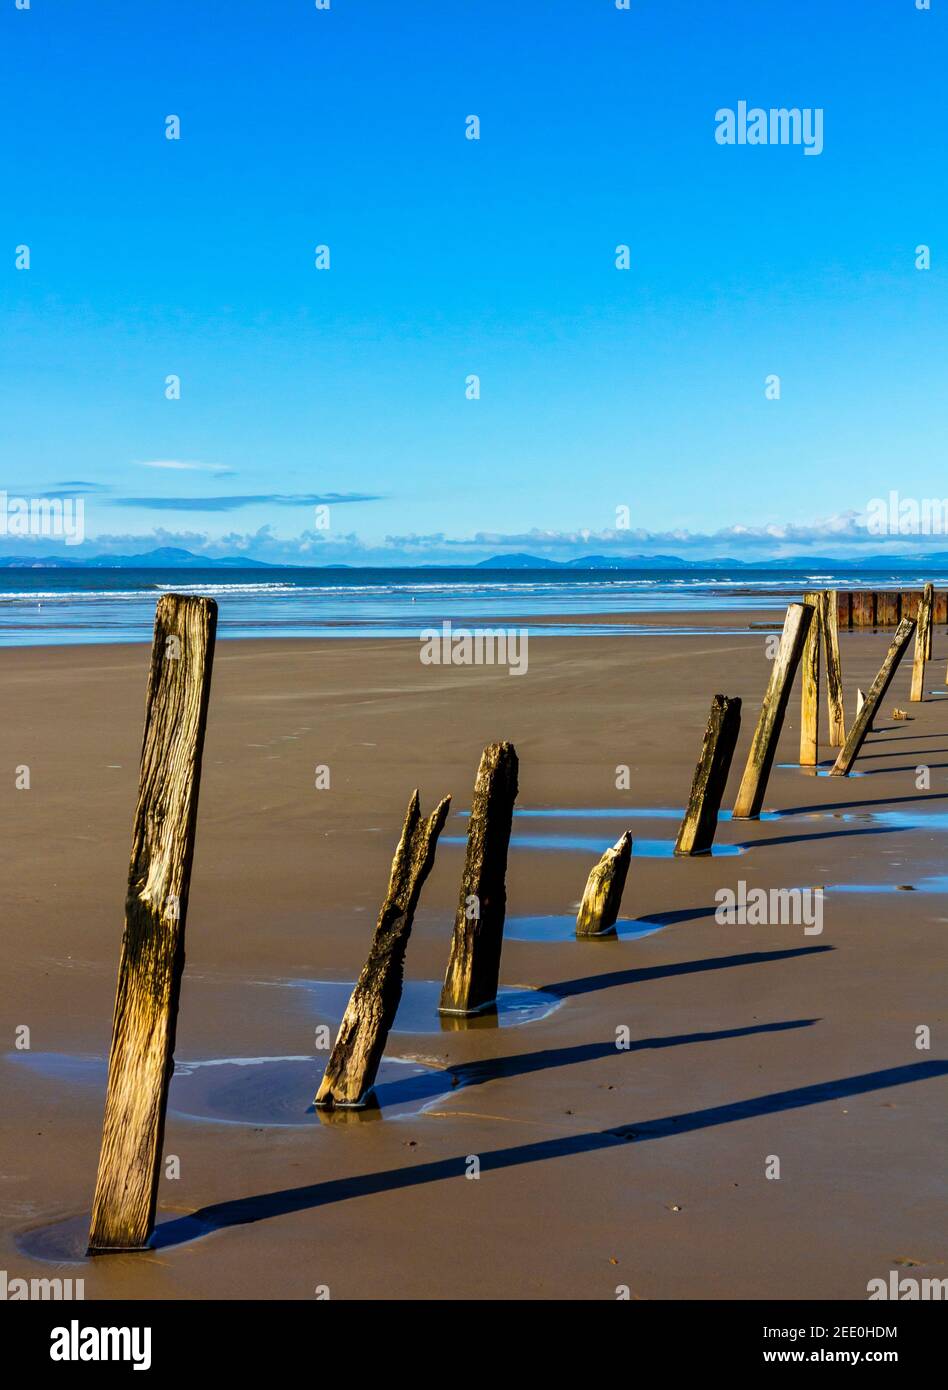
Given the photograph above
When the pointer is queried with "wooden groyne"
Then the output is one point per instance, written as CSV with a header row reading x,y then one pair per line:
x,y
141,1062
857,608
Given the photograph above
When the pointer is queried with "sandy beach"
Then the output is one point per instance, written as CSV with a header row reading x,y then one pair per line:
x,y
601,1169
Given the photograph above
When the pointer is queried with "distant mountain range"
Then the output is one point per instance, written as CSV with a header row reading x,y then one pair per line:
x,y
811,563
165,557
171,557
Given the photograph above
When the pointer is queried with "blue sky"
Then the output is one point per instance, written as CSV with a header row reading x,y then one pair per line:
x,y
600,388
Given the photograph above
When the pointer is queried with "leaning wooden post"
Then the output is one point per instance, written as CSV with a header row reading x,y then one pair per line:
x,y
354,1061
604,887
880,685
834,674
696,833
810,682
146,1003
763,747
470,981
922,636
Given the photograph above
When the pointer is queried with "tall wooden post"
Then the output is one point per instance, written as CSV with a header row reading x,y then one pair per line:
x,y
602,897
354,1061
922,638
763,747
470,982
141,1060
834,674
928,597
860,726
696,833
810,683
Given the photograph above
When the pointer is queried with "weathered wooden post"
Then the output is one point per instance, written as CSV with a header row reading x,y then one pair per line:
x,y
864,608
354,1061
887,607
834,673
763,747
844,607
928,598
602,897
922,638
860,726
141,1060
470,982
810,682
696,833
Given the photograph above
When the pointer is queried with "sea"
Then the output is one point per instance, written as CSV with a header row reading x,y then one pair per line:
x,y
50,606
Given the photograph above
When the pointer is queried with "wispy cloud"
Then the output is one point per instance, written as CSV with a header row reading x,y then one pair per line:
x,y
233,503
220,470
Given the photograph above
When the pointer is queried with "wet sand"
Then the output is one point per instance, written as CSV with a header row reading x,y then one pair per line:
x,y
599,1167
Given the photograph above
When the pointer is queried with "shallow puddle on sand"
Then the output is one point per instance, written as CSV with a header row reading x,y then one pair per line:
x,y
641,849
65,1242
262,1092
418,1011
823,771
936,883
618,813
563,928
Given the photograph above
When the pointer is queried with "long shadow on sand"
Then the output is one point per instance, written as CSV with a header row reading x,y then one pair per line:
x,y
824,835
486,1069
525,1063
588,984
268,1205
862,805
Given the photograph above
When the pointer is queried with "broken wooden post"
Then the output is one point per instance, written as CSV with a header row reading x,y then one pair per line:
x,y
922,636
834,674
354,1061
141,1060
470,982
880,685
604,887
763,747
810,682
696,833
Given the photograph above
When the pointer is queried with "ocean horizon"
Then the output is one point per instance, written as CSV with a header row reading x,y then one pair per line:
x,y
49,606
